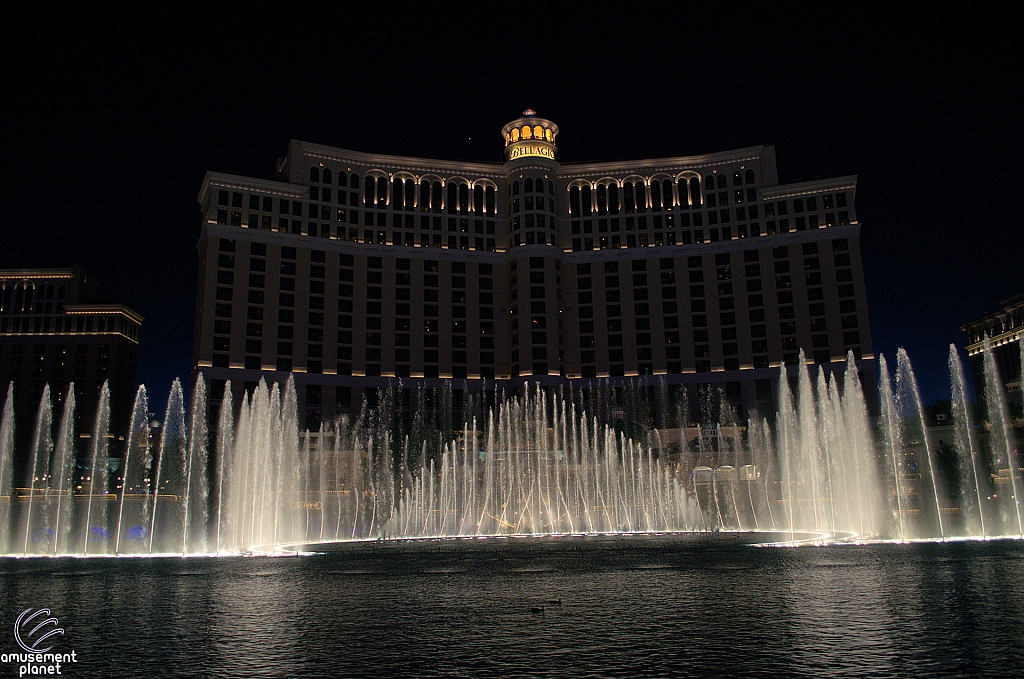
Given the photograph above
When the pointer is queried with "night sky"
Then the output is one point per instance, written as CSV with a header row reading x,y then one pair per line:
x,y
112,122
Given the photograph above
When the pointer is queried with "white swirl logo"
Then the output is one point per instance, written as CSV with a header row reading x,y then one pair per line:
x,y
25,639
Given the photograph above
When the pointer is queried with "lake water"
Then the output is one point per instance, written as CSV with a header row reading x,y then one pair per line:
x,y
630,607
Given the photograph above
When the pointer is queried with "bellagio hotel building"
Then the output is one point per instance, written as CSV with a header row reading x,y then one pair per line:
x,y
352,269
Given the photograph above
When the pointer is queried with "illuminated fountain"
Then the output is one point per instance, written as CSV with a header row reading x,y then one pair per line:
x,y
539,463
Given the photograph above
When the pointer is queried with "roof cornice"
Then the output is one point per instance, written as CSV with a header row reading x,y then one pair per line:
x,y
414,165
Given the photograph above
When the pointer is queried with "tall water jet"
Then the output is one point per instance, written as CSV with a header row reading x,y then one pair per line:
x,y
863,483
6,467
225,454
98,479
807,429
137,463
42,447
194,506
967,455
912,411
1000,432
787,438
63,472
172,452
891,430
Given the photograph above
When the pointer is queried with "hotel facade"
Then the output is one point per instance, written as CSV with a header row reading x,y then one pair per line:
x,y
52,332
350,270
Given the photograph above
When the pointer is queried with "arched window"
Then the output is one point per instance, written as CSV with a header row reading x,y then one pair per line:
x,y
586,201
452,201
342,179
709,182
574,201
515,188
478,199
547,135
527,133
695,192
602,200
528,185
640,192
750,176
721,181
551,188
683,187
369,190
613,199
397,194
410,194
424,202
435,199
353,181
463,198
538,132
382,192
666,193
628,199
515,134
492,206
656,195
328,178
314,174
737,179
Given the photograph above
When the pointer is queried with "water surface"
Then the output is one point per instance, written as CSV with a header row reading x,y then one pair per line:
x,y
629,608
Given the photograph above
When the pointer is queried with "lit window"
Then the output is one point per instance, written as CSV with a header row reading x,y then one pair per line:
x,y
515,134
527,133
538,132
547,135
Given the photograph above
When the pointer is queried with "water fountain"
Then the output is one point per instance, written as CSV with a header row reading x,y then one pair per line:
x,y
539,463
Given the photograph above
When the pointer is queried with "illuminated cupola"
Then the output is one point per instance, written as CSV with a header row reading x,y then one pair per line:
x,y
529,137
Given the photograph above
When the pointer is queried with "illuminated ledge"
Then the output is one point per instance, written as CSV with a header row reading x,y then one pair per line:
x,y
718,369
747,366
689,371
82,309
236,366
204,364
269,368
25,274
631,373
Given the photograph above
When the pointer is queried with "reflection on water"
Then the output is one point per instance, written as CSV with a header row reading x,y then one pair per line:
x,y
625,608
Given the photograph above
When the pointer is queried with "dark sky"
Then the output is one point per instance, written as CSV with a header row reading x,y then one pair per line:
x,y
113,120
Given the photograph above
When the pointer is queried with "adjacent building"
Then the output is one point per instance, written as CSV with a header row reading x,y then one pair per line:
x,y
350,269
1004,329
51,333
